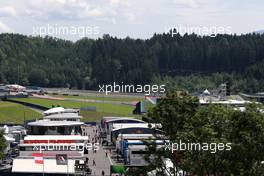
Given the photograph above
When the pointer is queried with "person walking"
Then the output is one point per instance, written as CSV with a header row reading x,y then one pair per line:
x,y
94,164
106,154
103,173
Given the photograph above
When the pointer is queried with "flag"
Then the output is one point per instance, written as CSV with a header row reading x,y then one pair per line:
x,y
151,99
62,159
38,157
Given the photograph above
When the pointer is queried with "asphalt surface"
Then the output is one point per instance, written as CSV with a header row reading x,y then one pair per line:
x,y
100,101
102,161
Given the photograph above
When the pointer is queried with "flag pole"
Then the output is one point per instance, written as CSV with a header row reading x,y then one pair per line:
x,y
67,165
43,165
43,161
67,169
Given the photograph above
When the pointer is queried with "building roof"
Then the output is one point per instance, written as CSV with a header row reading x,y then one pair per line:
x,y
55,137
15,86
54,110
63,116
134,135
229,102
12,129
54,123
125,118
134,125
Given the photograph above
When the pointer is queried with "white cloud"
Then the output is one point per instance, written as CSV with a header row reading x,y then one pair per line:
x,y
186,3
7,11
119,2
136,18
193,3
130,16
73,9
4,28
61,9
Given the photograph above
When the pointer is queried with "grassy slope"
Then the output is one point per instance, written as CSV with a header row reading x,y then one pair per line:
x,y
102,109
14,113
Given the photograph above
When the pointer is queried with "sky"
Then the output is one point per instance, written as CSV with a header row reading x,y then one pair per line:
x,y
74,19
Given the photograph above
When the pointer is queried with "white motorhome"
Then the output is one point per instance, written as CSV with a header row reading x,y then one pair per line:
x,y
136,155
131,137
50,137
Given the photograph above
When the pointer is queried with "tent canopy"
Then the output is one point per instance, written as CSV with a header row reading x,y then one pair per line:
x,y
206,92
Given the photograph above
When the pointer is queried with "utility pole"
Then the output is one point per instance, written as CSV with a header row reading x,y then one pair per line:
x,y
18,74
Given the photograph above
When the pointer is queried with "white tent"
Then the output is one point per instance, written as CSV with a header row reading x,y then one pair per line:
x,y
206,92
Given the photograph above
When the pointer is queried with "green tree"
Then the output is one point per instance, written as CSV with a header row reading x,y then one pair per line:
x,y
2,144
234,139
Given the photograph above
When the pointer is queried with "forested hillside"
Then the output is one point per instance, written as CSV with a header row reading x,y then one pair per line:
x,y
188,61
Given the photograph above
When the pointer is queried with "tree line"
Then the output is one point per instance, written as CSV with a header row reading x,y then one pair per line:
x,y
183,60
232,140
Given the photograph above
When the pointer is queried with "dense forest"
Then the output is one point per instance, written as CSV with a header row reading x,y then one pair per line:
x,y
191,62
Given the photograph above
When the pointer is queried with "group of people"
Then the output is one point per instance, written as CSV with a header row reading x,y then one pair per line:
x,y
94,136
